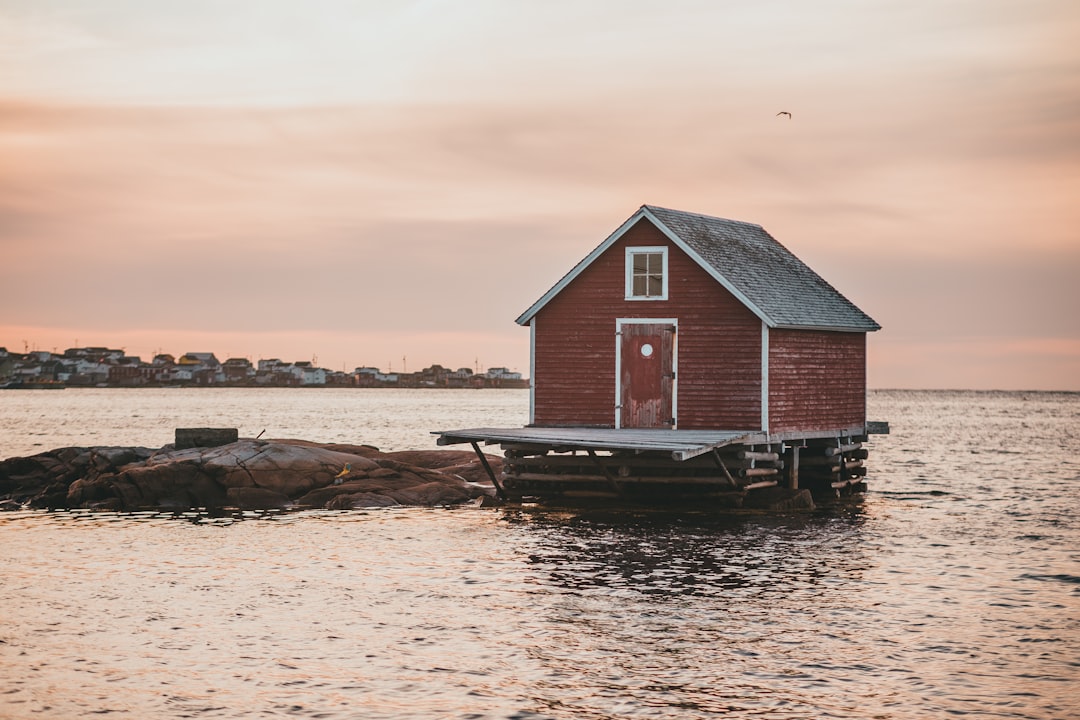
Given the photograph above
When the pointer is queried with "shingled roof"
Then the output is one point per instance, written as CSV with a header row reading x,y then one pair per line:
x,y
764,275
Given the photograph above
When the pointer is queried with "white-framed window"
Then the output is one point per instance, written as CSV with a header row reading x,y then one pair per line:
x,y
646,273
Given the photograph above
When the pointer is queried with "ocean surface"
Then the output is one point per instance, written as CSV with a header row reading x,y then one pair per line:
x,y
952,588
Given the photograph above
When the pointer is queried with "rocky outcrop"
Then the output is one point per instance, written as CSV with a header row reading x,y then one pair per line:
x,y
247,474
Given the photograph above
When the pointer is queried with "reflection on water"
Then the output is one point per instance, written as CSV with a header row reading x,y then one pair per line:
x,y
696,554
951,589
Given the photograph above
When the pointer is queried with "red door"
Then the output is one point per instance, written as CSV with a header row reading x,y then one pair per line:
x,y
647,375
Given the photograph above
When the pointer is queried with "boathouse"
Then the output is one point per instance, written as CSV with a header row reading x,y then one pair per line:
x,y
684,336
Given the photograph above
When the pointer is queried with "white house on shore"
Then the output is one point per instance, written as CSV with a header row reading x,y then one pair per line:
x,y
501,373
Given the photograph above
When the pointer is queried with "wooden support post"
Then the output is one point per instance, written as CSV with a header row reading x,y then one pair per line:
x,y
763,456
720,463
604,469
793,467
491,473
758,472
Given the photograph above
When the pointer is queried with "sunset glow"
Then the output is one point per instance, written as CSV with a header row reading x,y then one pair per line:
x,y
369,182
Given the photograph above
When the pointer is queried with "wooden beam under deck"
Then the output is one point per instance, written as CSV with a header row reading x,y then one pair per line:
x,y
564,461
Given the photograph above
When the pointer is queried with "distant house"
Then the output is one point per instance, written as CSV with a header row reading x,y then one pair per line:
x,y
88,371
181,374
680,320
100,354
237,370
501,373
201,359
433,376
373,377
126,375
7,364
313,376
204,368
304,373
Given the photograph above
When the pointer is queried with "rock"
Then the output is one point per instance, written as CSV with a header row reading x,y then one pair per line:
x,y
178,485
432,459
255,498
779,499
430,494
489,501
204,437
90,490
361,500
250,474
288,469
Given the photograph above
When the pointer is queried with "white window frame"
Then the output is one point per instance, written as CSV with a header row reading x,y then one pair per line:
x,y
631,251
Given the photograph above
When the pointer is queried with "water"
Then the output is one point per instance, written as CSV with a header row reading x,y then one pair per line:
x,y
952,588
32,421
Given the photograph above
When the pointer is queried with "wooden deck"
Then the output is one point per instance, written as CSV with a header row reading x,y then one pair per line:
x,y
658,464
681,444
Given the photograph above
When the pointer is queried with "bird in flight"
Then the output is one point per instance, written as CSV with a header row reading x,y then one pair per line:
x,y
784,112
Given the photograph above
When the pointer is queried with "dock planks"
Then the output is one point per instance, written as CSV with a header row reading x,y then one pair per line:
x,y
681,444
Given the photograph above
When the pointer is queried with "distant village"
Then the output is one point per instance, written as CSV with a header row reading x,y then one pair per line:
x,y
105,367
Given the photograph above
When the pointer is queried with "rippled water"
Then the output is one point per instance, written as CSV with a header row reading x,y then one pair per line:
x,y
32,421
953,588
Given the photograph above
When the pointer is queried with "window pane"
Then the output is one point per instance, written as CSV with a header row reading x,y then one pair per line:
x,y
646,274
655,263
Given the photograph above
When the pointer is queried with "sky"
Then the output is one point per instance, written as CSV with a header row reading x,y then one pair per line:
x,y
393,183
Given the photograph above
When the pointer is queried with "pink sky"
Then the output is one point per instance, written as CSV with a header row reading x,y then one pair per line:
x,y
367,182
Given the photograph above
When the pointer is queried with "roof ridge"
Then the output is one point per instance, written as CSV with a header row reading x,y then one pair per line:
x,y
700,215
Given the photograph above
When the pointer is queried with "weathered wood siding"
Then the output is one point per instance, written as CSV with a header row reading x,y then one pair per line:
x,y
718,374
817,380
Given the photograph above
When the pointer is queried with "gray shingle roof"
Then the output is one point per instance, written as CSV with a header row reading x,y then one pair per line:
x,y
781,286
774,284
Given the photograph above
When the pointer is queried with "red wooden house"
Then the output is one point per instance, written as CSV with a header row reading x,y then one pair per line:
x,y
679,320
689,350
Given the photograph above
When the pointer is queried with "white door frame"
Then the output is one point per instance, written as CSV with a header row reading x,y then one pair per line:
x,y
619,322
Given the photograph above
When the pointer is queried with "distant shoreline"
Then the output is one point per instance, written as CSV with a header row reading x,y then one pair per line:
x,y
105,367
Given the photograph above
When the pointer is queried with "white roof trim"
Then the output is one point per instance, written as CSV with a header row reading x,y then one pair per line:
x,y
579,268
643,212
713,272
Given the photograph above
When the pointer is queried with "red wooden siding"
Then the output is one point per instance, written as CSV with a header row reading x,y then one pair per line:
x,y
718,382
817,380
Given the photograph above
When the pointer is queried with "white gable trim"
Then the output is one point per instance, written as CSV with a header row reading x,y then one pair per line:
x,y
579,268
713,272
611,240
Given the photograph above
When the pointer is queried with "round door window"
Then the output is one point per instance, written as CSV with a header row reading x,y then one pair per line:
x,y
646,350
